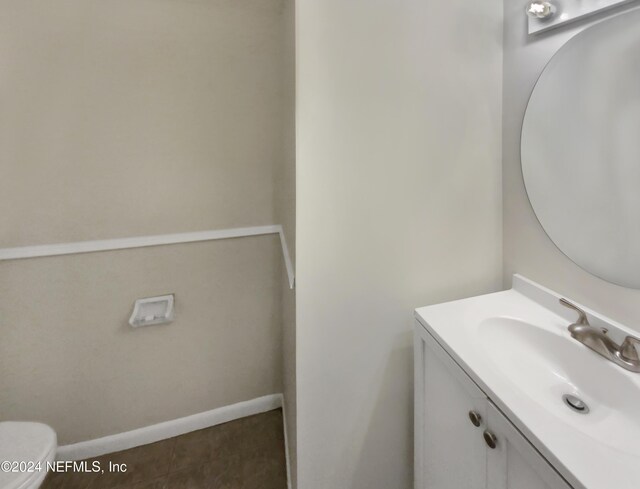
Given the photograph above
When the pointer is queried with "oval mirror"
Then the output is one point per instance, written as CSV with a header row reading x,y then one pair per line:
x,y
581,149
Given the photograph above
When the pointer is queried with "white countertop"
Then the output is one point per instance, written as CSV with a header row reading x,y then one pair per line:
x,y
586,458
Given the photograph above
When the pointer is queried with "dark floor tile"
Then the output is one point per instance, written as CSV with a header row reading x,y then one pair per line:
x,y
264,473
230,480
212,475
244,454
200,447
264,461
67,480
263,436
143,463
162,483
269,418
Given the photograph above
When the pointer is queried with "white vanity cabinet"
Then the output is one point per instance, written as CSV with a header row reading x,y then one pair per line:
x,y
462,441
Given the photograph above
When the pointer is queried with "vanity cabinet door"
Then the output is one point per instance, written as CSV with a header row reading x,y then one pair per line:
x,y
514,463
450,452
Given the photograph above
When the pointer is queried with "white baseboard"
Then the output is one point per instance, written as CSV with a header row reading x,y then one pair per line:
x,y
169,429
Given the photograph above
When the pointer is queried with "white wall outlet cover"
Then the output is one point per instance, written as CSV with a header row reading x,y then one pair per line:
x,y
152,310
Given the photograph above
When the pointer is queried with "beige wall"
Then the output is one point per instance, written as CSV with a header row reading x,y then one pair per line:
x,y
398,206
127,118
68,356
527,249
137,117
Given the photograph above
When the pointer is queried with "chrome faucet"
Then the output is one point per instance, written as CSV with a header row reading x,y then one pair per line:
x,y
624,355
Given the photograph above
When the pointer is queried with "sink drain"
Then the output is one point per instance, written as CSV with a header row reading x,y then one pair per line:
x,y
575,403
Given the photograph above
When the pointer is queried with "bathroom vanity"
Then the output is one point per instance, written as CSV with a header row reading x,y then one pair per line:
x,y
505,398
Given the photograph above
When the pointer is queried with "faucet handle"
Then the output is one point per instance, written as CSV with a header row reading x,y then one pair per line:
x,y
628,350
582,316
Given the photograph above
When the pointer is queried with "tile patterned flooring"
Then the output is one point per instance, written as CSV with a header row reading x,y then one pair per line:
x,y
244,454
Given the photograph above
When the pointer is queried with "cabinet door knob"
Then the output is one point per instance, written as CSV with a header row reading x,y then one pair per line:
x,y
475,418
490,439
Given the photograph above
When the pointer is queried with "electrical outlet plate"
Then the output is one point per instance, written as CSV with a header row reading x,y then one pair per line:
x,y
572,10
152,310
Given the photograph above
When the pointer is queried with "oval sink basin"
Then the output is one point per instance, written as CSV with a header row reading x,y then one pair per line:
x,y
577,408
545,365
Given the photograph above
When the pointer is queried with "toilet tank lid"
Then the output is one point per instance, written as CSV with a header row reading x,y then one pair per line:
x,y
25,442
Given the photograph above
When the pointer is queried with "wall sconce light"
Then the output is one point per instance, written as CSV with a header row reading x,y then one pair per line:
x,y
540,9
